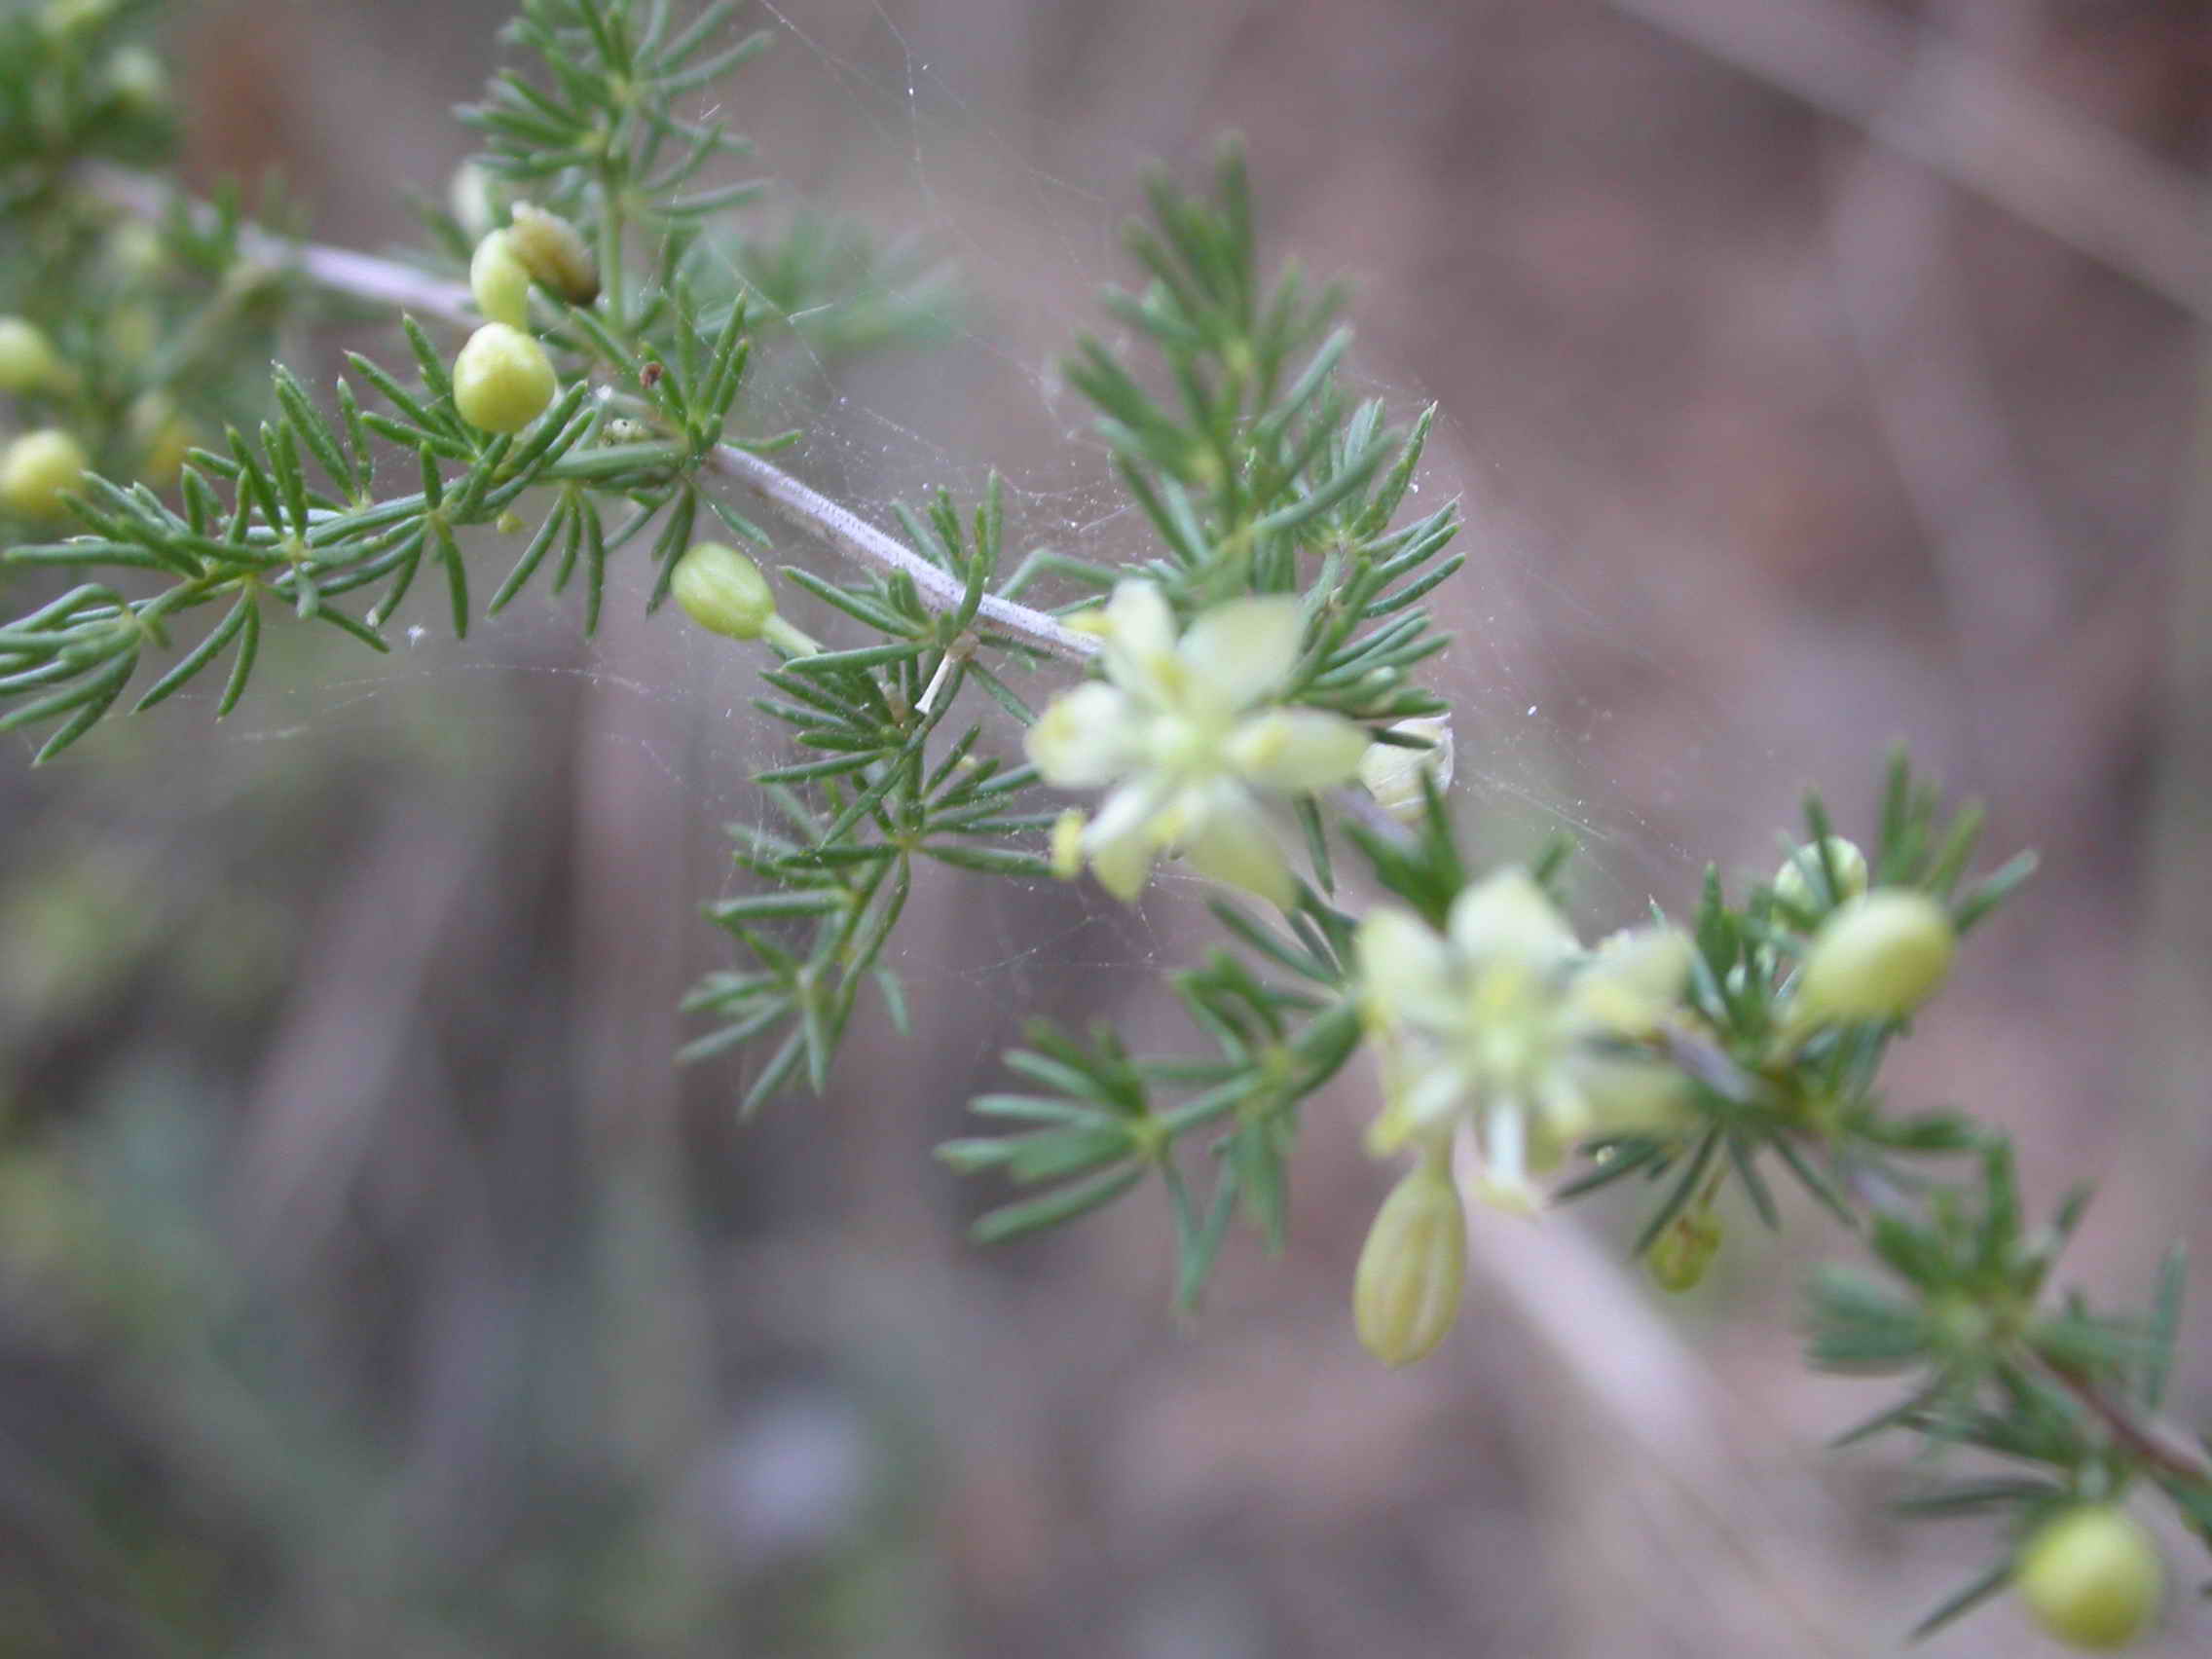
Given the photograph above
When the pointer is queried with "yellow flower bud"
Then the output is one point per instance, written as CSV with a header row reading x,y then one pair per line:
x,y
502,379
469,198
37,468
1793,882
28,361
1406,1291
137,252
500,281
1878,956
1679,1255
724,591
552,252
137,80
1393,773
2091,1577
1067,843
161,436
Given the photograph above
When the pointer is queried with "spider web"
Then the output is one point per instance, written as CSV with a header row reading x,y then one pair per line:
x,y
1032,246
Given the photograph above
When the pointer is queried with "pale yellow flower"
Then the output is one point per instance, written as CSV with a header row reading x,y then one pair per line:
x,y
1505,1029
1187,737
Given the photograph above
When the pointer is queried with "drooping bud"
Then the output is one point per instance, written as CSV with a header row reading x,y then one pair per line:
x,y
1680,1254
2091,1577
553,253
1067,843
36,470
1879,956
1406,1291
500,281
724,591
502,379
28,361
1392,772
1797,881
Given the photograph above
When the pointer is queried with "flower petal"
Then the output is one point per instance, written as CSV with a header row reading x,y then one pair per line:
x,y
1228,840
1122,840
1297,748
1507,916
1087,737
1630,984
1403,970
1241,652
1136,631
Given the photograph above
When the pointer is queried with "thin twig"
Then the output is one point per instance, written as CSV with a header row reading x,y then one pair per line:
x,y
2157,1444
836,526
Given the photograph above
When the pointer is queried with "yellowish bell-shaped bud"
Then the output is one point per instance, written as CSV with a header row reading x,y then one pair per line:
x,y
137,79
1680,1254
502,379
1878,956
2091,1577
1393,773
37,469
161,435
1411,1269
553,253
500,281
1067,843
1797,881
28,361
724,591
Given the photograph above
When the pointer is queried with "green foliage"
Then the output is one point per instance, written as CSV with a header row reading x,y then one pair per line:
x,y
78,83
224,499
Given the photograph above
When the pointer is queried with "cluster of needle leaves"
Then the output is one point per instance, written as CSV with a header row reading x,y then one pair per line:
x,y
1955,1296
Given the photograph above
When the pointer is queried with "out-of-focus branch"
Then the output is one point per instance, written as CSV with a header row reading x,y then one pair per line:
x,y
805,509
1968,122
1645,1382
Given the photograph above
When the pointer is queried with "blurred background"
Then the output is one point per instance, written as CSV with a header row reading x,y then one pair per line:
x,y
1814,374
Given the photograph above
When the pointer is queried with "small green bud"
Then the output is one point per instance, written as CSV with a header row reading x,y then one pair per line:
x,y
37,468
28,361
502,379
552,252
2091,1577
1405,1290
500,281
1679,1256
1878,956
724,591
1796,882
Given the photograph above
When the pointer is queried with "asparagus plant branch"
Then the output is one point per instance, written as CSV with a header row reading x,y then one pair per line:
x,y
836,526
